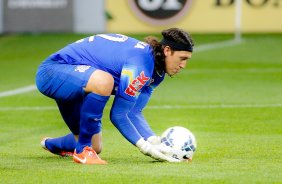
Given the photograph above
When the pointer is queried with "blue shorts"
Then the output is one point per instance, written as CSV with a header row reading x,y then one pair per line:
x,y
63,82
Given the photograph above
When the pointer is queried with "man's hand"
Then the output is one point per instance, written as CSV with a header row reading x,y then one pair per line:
x,y
153,151
154,140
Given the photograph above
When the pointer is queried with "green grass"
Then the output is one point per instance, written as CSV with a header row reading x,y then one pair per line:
x,y
226,97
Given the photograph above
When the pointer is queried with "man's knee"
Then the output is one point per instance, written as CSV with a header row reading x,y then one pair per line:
x,y
101,83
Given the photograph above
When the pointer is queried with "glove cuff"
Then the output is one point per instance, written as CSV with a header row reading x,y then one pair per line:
x,y
154,140
140,143
144,146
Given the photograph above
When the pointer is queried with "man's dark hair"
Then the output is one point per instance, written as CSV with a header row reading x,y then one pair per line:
x,y
178,36
175,35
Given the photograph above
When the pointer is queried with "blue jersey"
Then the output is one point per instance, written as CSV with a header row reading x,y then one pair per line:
x,y
129,61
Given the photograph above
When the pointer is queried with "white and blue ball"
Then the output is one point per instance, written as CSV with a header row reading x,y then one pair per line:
x,y
181,141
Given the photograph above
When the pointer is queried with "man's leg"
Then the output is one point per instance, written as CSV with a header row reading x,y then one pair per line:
x,y
64,83
99,88
90,121
65,145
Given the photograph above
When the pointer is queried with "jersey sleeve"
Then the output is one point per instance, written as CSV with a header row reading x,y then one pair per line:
x,y
136,114
119,118
134,76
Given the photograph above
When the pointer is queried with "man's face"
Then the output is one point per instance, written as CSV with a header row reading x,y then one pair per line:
x,y
175,60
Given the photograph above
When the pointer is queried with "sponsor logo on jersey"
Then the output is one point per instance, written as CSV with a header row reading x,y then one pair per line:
x,y
81,68
133,88
128,73
160,12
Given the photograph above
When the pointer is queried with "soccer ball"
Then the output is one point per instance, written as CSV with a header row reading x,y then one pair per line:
x,y
181,141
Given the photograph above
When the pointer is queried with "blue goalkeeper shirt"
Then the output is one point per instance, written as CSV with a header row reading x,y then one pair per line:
x,y
131,63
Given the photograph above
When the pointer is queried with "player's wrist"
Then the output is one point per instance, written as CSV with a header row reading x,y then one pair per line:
x,y
144,146
154,139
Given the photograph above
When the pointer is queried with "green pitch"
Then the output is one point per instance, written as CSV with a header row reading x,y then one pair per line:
x,y
230,97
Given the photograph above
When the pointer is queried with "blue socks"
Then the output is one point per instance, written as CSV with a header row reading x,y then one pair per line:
x,y
90,119
65,143
90,124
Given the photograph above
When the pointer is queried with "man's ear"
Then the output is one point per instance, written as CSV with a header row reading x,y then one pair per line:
x,y
167,50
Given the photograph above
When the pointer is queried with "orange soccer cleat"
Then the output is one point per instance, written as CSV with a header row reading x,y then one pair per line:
x,y
88,156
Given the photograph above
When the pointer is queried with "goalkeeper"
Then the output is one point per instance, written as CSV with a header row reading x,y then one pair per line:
x,y
81,77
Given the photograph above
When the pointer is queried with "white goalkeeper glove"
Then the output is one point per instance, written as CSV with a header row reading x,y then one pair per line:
x,y
151,150
154,139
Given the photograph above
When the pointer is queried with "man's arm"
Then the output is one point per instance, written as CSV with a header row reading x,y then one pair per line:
x,y
136,116
119,118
